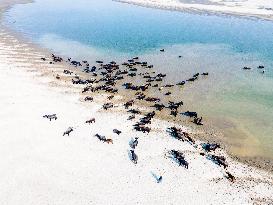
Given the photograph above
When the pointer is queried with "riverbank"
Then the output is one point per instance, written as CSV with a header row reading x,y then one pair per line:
x,y
40,165
250,8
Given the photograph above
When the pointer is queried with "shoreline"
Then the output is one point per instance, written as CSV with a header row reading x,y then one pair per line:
x,y
40,93
60,94
207,133
195,9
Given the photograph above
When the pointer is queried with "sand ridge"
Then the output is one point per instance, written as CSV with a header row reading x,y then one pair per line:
x,y
248,8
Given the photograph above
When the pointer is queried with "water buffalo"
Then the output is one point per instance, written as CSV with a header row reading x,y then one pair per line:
x,y
92,120
133,143
51,117
210,147
230,177
134,157
190,114
116,131
88,98
198,121
179,157
68,131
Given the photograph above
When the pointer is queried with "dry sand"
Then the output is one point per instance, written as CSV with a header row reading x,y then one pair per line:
x,y
250,8
38,165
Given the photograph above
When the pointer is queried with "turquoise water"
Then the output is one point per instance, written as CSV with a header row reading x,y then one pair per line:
x,y
221,45
131,29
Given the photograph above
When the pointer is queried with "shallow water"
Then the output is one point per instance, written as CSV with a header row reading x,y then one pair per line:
x,y
238,102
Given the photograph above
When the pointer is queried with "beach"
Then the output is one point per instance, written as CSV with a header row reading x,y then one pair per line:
x,y
41,165
249,8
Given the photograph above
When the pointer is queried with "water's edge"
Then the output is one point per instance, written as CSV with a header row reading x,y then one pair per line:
x,y
257,162
199,11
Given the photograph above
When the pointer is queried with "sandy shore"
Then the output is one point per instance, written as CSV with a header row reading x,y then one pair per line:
x,y
249,8
41,166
